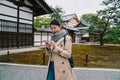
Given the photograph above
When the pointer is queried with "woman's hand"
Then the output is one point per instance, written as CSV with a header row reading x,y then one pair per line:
x,y
53,43
50,44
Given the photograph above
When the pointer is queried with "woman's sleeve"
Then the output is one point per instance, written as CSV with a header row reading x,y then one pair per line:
x,y
47,50
66,50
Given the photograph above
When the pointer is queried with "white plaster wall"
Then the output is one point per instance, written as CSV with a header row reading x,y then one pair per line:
x,y
38,38
8,3
25,15
8,10
8,18
77,38
13,12
26,9
25,21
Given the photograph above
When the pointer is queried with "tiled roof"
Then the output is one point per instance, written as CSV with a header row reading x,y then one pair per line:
x,y
71,28
68,17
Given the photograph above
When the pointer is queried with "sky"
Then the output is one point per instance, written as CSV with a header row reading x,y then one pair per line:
x,y
78,7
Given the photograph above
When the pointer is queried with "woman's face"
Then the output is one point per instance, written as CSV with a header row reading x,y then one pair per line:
x,y
55,28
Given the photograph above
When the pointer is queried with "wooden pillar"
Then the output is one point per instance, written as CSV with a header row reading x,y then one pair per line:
x,y
41,38
47,36
17,37
2,34
33,29
7,40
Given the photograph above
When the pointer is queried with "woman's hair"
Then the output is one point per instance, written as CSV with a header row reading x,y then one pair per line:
x,y
55,22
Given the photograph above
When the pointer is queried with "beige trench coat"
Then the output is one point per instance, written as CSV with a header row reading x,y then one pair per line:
x,y
61,53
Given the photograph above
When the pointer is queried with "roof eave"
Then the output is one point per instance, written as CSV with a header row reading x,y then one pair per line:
x,y
40,7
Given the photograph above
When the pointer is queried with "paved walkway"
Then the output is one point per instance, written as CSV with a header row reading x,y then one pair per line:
x,y
4,52
10,71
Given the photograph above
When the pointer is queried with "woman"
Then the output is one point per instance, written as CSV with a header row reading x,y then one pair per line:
x,y
59,67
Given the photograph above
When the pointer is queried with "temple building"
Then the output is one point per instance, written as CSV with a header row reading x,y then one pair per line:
x,y
17,22
75,27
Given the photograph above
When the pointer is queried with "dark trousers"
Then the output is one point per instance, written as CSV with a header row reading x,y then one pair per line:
x,y
51,75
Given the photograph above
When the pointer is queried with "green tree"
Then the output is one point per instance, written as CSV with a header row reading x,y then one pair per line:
x,y
105,19
41,22
87,17
57,13
110,14
96,24
113,34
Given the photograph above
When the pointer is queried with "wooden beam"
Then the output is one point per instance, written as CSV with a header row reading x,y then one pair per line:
x,y
18,7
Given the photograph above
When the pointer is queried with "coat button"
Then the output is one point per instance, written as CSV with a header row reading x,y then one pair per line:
x,y
59,51
62,62
63,71
61,44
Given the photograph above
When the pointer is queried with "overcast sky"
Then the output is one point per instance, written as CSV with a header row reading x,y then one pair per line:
x,y
78,7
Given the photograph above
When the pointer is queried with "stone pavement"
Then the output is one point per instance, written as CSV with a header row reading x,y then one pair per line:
x,y
4,52
32,72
